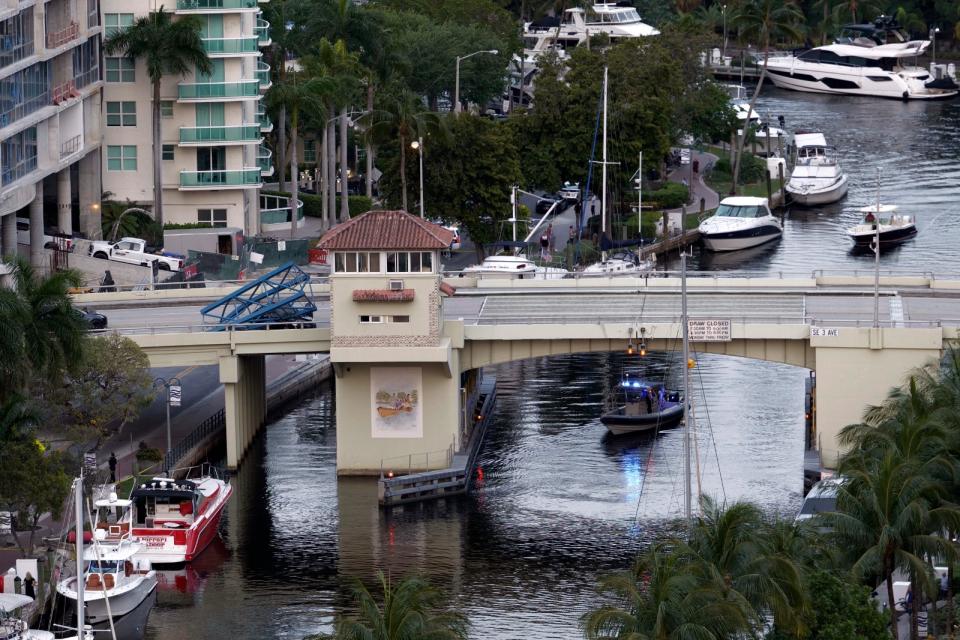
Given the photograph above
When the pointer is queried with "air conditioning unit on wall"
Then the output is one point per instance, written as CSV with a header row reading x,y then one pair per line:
x,y
396,285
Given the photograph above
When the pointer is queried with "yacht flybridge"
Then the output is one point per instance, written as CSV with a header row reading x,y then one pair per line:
x,y
885,71
817,177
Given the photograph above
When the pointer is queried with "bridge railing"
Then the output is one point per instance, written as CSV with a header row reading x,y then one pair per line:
x,y
716,275
161,286
214,328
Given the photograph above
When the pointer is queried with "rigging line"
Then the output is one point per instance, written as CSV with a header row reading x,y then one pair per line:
x,y
713,439
64,525
96,550
585,193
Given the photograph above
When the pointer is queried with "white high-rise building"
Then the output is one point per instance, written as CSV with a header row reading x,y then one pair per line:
x,y
212,124
50,90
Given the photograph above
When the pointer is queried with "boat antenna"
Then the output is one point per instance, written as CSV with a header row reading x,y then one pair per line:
x,y
687,408
96,550
876,260
603,189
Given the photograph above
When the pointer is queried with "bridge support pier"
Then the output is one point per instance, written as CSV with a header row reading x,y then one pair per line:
x,y
857,368
244,396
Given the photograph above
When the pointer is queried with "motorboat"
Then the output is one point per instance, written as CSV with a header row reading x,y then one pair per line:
x,y
882,220
11,626
620,263
514,268
817,177
111,572
766,135
851,69
740,223
175,520
646,407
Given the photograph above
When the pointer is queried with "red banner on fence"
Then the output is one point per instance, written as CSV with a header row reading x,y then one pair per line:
x,y
317,256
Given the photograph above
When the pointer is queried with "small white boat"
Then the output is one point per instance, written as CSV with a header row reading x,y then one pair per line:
x,y
767,136
111,572
514,268
620,263
740,223
11,626
882,220
817,177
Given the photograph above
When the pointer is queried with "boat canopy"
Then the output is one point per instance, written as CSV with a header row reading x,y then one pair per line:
x,y
896,50
13,601
115,502
810,140
883,208
109,552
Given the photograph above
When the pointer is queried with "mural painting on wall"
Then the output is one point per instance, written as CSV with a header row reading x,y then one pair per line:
x,y
395,402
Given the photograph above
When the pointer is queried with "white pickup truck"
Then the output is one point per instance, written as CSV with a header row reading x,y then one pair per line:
x,y
133,251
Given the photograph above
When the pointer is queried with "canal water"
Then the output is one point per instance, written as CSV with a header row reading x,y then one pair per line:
x,y
916,146
557,502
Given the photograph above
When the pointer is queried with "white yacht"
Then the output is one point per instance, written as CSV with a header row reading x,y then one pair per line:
x,y
817,177
765,134
111,572
620,263
514,268
740,223
885,71
882,220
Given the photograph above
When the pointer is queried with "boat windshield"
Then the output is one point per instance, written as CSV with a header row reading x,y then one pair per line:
x,y
103,566
813,506
618,15
735,211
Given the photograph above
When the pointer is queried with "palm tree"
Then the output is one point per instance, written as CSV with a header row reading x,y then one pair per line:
x,y
167,47
665,598
52,331
727,545
298,91
17,419
411,609
766,21
403,117
886,511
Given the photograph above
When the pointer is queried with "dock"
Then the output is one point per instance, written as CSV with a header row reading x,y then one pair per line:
x,y
457,477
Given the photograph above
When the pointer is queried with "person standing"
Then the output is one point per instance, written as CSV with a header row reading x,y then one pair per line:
x,y
551,243
112,463
572,235
544,246
28,588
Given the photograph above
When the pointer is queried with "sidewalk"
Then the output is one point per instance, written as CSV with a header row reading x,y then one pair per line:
x,y
698,188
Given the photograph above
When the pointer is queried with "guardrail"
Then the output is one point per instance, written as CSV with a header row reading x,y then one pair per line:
x,y
716,275
212,328
204,284
216,422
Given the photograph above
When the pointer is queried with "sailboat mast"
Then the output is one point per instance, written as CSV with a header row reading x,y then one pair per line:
x,y
687,507
603,190
78,506
640,198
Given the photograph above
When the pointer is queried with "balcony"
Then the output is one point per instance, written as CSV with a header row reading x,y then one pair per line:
x,y
266,125
263,32
275,212
216,6
247,178
225,47
263,75
218,91
59,38
265,160
238,134
65,91
71,146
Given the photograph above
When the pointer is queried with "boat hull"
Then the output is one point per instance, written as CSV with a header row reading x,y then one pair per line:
x,y
122,601
809,79
741,239
828,195
618,423
887,238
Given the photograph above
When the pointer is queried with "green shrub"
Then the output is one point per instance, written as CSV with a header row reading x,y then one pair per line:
x,y
649,224
187,225
752,169
669,196
359,204
148,454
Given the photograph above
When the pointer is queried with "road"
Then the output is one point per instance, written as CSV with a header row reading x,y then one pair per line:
x,y
834,304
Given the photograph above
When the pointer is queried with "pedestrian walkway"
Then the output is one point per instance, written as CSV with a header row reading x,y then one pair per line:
x,y
698,188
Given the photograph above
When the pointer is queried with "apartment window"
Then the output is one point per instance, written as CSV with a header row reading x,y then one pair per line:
x,y
399,318
121,70
213,217
166,108
122,158
310,151
410,262
121,114
24,92
383,319
16,37
167,151
114,22
371,319
18,155
86,62
357,262
93,13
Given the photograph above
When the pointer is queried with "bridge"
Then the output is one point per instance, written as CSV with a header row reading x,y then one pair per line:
x,y
426,335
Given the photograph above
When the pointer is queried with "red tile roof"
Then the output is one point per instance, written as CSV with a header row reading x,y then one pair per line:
x,y
382,295
386,230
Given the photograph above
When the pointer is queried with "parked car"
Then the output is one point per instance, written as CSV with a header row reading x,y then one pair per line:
x,y
93,319
544,204
51,240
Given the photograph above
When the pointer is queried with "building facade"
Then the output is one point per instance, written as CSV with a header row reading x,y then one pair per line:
x,y
212,124
50,103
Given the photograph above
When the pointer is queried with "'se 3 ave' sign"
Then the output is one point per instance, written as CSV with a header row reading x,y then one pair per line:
x,y
709,330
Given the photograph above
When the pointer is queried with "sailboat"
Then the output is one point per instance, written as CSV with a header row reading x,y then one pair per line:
x,y
83,631
623,262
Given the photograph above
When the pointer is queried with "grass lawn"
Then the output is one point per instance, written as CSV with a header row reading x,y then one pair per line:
x,y
720,182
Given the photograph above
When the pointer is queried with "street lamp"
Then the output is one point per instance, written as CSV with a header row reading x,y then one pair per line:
x,y
418,145
172,386
456,88
723,56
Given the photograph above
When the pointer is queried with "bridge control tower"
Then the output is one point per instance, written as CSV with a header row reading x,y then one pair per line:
x,y
398,372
